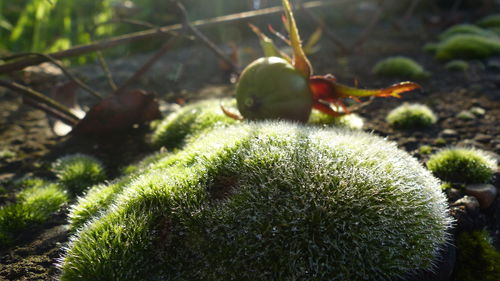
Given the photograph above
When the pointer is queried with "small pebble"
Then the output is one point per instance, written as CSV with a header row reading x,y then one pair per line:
x,y
478,111
448,133
482,138
466,115
485,193
470,202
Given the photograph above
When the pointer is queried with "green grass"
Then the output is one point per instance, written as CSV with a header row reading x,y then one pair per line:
x,y
33,206
411,116
462,165
400,67
267,201
78,172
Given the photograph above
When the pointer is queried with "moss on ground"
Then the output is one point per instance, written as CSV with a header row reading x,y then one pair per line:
x,y
408,116
265,201
190,122
351,121
78,172
477,260
490,21
400,67
465,29
468,46
462,165
33,206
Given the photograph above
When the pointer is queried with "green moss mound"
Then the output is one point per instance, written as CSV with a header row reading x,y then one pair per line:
x,y
400,67
78,172
463,165
477,259
490,21
190,122
408,116
351,121
457,65
33,206
465,29
267,201
468,46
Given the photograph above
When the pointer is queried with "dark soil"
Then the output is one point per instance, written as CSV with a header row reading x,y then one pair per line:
x,y
194,73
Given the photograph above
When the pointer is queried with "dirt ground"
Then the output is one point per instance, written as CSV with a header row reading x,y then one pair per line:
x,y
194,73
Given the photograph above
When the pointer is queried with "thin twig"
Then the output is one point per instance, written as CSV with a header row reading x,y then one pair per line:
x,y
369,28
50,111
39,97
107,72
326,31
156,32
204,39
62,68
149,63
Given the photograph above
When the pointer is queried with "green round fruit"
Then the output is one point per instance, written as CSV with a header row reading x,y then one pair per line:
x,y
270,88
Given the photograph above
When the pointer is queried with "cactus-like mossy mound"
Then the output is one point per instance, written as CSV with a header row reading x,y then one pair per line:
x,y
468,46
400,67
477,260
189,122
77,172
33,206
490,21
462,165
408,116
465,29
351,121
267,201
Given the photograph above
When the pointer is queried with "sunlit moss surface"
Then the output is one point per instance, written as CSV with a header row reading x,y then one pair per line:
x,y
263,201
464,165
351,121
407,116
477,260
191,121
400,67
78,172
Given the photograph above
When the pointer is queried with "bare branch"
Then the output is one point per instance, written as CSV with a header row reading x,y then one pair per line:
x,y
204,39
40,98
155,32
63,69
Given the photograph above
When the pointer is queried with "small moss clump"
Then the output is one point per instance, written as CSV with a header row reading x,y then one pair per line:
x,y
477,260
6,154
465,29
351,121
407,116
425,149
490,21
78,172
33,206
400,67
189,122
457,65
468,46
462,165
267,201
